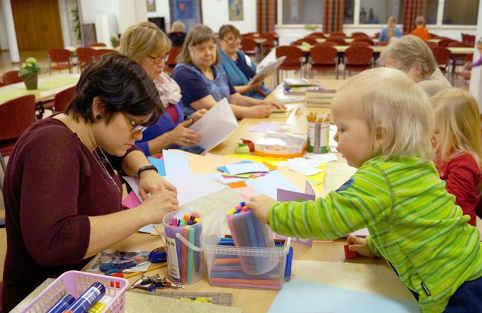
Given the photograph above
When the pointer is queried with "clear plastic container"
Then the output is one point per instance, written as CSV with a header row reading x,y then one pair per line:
x,y
74,283
248,232
280,144
184,263
225,268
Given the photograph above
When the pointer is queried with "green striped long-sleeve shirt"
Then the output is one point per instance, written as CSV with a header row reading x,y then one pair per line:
x,y
413,222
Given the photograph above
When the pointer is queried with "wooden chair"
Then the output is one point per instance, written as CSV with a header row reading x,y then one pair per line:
x,y
248,45
364,39
323,58
60,59
358,59
15,116
63,99
11,77
86,56
172,58
294,58
442,56
340,41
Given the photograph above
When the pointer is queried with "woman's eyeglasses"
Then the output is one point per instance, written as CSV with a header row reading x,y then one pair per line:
x,y
158,59
135,126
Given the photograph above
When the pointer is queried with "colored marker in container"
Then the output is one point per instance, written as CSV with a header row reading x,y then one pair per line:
x,y
62,304
90,296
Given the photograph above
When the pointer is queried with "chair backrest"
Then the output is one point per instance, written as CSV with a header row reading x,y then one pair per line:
x,y
359,43
432,44
86,56
248,44
359,35
310,40
11,77
358,56
456,44
59,55
339,34
62,99
442,55
434,36
340,41
293,55
329,43
15,116
172,57
317,35
97,44
323,55
444,42
364,39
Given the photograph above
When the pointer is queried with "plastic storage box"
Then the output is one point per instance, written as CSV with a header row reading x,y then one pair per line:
x,y
277,144
225,269
74,283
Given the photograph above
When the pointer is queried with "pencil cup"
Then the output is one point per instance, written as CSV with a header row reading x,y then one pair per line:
x,y
248,232
183,251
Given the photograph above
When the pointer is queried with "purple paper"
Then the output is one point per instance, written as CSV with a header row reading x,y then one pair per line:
x,y
288,195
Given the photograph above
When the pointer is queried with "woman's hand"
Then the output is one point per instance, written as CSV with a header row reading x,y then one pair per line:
x,y
150,182
261,205
275,105
183,136
359,245
258,111
253,86
157,205
197,115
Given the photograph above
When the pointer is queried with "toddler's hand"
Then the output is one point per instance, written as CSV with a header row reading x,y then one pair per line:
x,y
359,245
260,205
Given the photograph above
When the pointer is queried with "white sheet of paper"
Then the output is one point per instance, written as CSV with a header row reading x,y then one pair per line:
x,y
133,182
270,183
243,168
266,70
361,232
216,125
176,162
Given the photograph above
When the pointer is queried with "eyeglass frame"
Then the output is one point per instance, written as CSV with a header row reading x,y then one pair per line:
x,y
135,126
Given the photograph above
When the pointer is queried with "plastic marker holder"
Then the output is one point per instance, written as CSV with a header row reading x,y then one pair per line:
x,y
248,232
183,236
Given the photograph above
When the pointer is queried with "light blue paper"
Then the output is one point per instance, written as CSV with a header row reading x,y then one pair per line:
x,y
159,164
298,296
176,162
270,183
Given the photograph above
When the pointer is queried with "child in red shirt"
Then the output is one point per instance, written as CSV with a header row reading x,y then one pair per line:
x,y
458,148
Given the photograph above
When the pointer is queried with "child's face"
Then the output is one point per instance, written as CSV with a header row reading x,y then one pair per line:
x,y
353,135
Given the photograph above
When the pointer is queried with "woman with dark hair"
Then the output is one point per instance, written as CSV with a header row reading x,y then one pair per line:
x,y
62,191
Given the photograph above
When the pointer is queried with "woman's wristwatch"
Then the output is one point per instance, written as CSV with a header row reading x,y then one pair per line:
x,y
146,168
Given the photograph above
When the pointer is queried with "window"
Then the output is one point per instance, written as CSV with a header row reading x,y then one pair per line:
x,y
378,11
431,11
302,12
348,12
458,12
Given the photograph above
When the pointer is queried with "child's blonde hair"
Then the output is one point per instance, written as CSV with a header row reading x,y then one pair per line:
x,y
457,118
392,103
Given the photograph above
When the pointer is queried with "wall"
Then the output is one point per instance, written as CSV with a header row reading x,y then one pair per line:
x,y
3,31
214,13
131,12
104,14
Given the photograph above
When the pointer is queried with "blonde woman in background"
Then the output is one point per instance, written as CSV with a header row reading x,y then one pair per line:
x,y
412,55
390,31
177,34
146,44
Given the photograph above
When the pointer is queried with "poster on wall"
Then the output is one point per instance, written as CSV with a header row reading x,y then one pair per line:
x,y
151,5
187,11
236,10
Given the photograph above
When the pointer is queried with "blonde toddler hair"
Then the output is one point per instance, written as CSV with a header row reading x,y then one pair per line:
x,y
409,51
389,101
457,118
142,40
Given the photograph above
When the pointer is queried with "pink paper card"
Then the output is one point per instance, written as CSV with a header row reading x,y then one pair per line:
x,y
131,201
